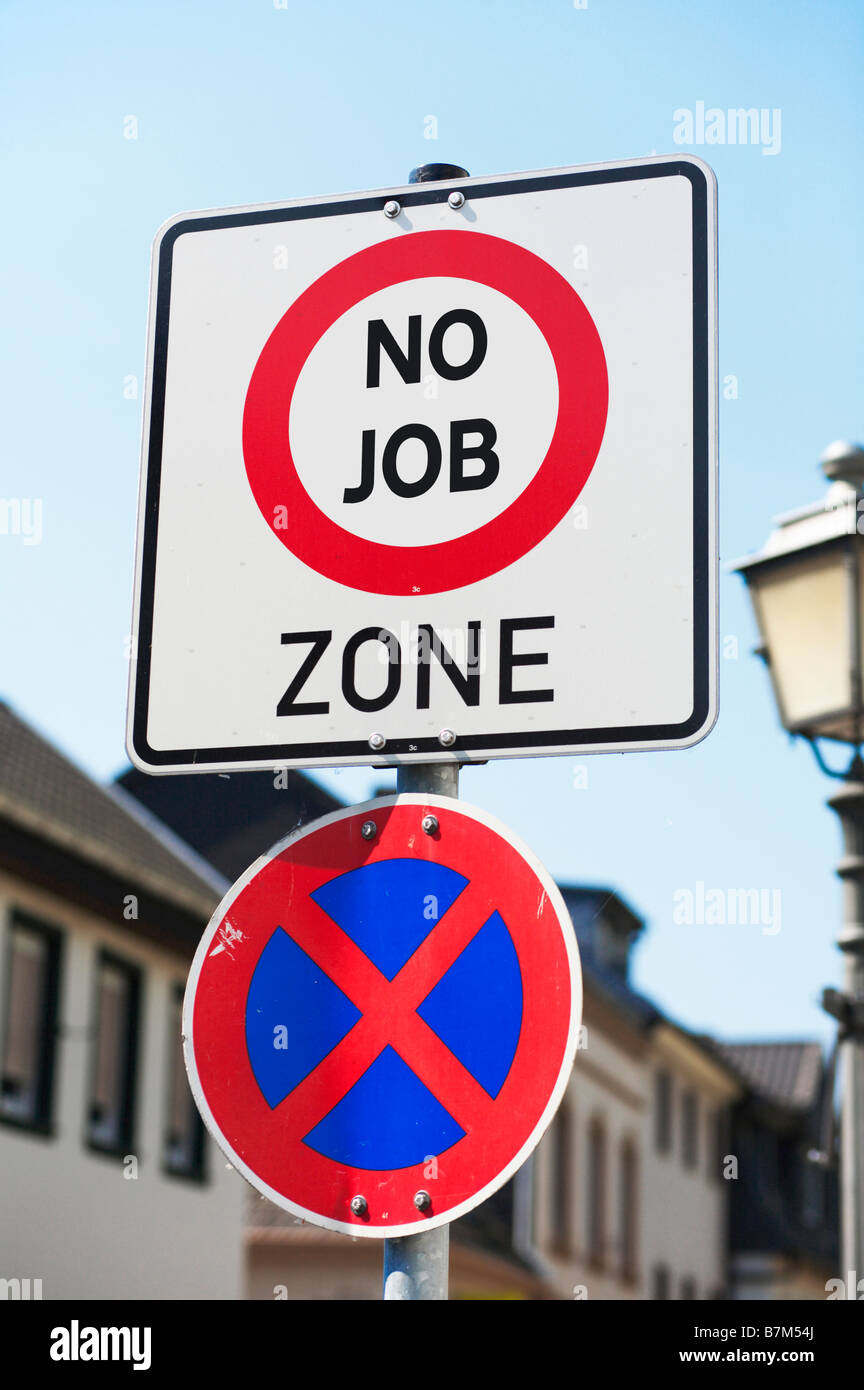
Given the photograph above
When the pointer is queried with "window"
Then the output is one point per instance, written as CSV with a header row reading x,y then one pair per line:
x,y
597,1195
660,1282
30,1023
114,1059
560,1188
690,1129
183,1153
627,1190
663,1112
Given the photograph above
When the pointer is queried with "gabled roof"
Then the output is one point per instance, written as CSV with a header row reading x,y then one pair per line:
x,y
230,819
587,902
787,1074
46,795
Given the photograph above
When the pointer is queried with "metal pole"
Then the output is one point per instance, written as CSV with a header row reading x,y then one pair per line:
x,y
853,587
437,173
849,805
416,1267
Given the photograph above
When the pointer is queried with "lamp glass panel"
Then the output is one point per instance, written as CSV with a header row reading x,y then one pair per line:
x,y
802,612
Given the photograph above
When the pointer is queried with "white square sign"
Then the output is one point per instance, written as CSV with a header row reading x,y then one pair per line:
x,y
431,477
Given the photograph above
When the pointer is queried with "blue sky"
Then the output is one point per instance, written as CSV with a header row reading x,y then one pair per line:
x,y
246,102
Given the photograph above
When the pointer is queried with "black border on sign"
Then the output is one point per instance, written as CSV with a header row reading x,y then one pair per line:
x,y
208,759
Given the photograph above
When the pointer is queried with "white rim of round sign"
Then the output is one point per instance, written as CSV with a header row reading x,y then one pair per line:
x,y
367,810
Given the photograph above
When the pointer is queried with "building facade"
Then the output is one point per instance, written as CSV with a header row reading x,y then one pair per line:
x,y
627,1188
636,1190
111,1188
783,1236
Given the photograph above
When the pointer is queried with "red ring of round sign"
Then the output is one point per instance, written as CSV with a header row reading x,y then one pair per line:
x,y
583,391
265,1142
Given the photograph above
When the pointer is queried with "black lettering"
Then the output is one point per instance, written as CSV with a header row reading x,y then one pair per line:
x,y
467,683
460,481
320,641
436,344
433,460
407,364
367,471
507,660
394,669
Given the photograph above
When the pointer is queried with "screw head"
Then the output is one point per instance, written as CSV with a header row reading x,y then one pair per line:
x,y
422,1201
359,1206
429,824
392,208
446,738
456,200
368,830
377,742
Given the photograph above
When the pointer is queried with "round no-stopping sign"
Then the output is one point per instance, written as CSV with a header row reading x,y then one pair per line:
x,y
382,1016
393,455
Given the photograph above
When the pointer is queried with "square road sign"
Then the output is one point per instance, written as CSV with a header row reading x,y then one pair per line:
x,y
429,473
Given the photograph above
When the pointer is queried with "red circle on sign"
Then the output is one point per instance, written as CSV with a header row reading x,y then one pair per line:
x,y
267,1144
573,340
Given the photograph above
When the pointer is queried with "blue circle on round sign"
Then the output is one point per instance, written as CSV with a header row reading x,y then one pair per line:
x,y
296,1015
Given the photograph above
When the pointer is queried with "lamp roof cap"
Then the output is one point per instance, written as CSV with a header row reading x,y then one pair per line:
x,y
844,462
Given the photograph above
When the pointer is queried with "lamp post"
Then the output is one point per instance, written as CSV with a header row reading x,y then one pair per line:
x,y
806,589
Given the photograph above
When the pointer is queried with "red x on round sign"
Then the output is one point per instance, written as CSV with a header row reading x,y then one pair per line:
x,y
382,1015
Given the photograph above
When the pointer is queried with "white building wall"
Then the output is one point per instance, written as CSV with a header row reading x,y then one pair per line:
x,y
68,1216
607,1084
685,1209
680,1212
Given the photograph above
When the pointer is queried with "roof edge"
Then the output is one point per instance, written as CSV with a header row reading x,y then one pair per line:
x,y
85,847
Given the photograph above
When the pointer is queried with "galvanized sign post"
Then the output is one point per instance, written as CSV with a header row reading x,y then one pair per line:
x,y
417,1268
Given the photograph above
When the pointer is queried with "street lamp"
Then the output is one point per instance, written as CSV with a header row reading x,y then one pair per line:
x,y
806,589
